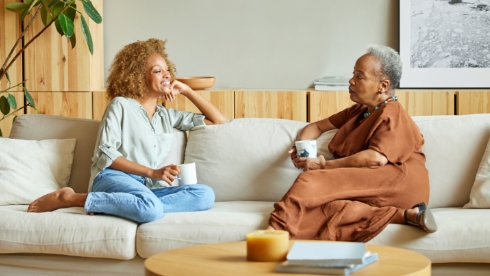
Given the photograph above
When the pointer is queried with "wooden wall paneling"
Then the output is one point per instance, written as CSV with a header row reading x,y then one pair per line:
x,y
322,104
9,33
472,102
99,103
271,104
222,99
6,124
427,102
68,104
52,65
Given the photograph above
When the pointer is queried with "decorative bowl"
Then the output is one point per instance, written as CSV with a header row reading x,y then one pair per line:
x,y
198,82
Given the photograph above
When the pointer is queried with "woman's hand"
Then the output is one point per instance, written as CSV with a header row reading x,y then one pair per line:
x,y
309,164
167,173
177,88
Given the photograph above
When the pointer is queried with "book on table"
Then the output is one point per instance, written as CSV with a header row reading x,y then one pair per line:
x,y
313,269
333,80
331,87
327,253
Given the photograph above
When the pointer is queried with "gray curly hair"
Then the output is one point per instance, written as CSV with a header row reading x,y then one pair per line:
x,y
390,63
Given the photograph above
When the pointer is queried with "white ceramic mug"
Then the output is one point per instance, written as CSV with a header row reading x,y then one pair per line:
x,y
187,174
306,148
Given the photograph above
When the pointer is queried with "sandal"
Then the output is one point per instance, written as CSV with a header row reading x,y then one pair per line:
x,y
424,219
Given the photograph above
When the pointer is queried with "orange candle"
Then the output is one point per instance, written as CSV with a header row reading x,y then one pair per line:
x,y
267,245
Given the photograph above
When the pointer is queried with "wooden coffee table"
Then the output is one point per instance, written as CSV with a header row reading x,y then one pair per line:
x,y
230,259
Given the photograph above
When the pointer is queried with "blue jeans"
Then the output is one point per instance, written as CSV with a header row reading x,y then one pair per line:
x,y
125,195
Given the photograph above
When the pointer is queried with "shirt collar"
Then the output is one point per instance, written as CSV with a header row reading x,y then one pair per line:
x,y
137,106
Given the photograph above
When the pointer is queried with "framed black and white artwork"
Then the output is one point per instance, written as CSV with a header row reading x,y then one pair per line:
x,y
445,43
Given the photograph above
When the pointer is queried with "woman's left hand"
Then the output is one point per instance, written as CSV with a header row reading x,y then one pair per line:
x,y
176,88
309,164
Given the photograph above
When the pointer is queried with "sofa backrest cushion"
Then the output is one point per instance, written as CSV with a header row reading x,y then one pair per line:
x,y
247,159
41,127
454,146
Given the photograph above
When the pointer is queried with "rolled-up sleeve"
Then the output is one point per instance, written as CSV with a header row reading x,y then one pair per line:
x,y
183,120
109,139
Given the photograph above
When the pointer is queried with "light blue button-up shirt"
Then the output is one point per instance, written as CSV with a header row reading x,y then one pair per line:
x,y
126,130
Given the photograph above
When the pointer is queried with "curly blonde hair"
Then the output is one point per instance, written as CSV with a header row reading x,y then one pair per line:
x,y
127,73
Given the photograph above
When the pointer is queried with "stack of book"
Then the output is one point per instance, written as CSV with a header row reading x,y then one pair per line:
x,y
327,258
332,83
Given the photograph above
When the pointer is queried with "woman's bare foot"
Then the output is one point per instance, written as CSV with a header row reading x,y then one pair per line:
x,y
62,198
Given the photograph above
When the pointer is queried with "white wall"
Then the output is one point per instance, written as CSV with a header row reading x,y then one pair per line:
x,y
256,44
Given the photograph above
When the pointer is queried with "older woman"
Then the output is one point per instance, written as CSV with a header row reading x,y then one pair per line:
x,y
378,175
134,137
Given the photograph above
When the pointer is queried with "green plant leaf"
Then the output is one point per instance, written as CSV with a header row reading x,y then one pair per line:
x,y
12,101
13,119
4,105
45,15
66,25
58,28
30,4
58,8
17,7
54,2
86,33
71,11
7,76
91,11
28,97
73,41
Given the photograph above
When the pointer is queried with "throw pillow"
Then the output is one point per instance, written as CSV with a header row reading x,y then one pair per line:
x,y
30,169
480,192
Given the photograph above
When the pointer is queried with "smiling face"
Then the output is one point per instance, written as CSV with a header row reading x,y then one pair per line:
x,y
158,77
366,87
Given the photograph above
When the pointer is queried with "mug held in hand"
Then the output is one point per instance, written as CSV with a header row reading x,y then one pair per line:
x,y
187,174
306,148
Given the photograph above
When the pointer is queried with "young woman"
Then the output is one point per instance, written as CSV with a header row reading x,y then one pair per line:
x,y
134,137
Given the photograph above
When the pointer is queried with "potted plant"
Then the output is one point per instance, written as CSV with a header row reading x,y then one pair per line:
x,y
61,13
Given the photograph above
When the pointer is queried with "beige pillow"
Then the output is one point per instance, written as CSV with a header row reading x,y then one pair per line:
x,y
480,192
30,169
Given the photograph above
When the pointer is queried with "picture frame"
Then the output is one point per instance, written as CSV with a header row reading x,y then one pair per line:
x,y
441,53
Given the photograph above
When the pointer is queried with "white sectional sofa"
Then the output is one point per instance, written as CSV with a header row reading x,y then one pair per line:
x,y
246,163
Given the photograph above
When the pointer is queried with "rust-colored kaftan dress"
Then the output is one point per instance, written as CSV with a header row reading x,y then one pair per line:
x,y
355,204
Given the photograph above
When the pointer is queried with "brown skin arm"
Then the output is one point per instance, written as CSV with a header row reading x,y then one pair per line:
x,y
167,173
366,158
213,115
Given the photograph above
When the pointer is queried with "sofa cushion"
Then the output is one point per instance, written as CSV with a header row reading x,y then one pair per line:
x,y
480,192
31,169
462,236
454,146
224,222
247,159
41,127
66,232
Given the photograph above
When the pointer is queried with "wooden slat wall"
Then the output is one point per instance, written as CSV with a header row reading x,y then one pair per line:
x,y
68,104
271,104
6,124
99,103
427,102
222,99
52,65
473,102
9,33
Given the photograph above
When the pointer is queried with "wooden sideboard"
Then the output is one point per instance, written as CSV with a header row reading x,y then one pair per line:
x,y
311,105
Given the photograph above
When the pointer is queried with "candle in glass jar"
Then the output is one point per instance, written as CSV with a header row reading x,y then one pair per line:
x,y
267,245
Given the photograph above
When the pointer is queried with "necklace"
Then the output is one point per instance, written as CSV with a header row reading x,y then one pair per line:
x,y
392,98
